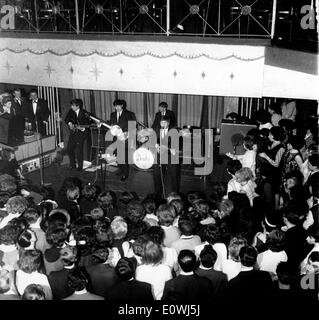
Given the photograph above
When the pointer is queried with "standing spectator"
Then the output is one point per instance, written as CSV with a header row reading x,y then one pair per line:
x,y
15,207
289,109
275,111
33,292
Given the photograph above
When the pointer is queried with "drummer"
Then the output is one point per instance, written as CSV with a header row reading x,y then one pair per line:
x,y
163,111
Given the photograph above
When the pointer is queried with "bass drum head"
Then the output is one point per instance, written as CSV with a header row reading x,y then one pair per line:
x,y
143,159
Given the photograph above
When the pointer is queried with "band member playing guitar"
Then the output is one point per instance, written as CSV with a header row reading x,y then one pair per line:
x,y
120,117
78,121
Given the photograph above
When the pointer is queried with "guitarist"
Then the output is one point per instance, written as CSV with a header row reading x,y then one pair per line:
x,y
121,117
75,118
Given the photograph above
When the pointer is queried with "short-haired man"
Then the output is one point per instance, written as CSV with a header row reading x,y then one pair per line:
x,y
188,286
18,116
163,111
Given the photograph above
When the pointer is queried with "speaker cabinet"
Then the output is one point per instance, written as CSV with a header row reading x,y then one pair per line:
x,y
232,137
4,129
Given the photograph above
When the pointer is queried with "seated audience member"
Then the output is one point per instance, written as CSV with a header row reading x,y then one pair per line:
x,y
102,276
152,270
202,213
27,240
275,111
29,264
250,285
207,258
128,289
8,245
150,207
188,239
243,183
107,202
59,279
312,239
119,231
33,217
7,288
248,159
15,206
79,283
188,286
212,236
88,199
166,216
232,266
33,292
156,234
269,259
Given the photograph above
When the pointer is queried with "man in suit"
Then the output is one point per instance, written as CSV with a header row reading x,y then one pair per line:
x,y
165,169
250,284
18,116
163,112
103,276
37,112
129,289
121,117
75,118
188,286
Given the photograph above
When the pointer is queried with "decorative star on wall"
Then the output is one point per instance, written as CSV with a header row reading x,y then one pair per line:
x,y
232,76
8,67
96,72
49,69
175,74
121,72
203,75
27,67
71,70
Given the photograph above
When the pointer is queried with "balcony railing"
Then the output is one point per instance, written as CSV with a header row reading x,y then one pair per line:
x,y
218,18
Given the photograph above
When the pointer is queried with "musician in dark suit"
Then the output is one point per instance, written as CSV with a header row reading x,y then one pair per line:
x,y
188,286
75,118
37,112
165,168
121,117
18,116
164,112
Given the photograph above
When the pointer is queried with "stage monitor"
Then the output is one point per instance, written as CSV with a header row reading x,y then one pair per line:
x,y
232,137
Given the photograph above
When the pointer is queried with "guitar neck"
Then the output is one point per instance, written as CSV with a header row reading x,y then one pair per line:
x,y
102,123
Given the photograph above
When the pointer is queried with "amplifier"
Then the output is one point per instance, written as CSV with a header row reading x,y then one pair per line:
x,y
34,164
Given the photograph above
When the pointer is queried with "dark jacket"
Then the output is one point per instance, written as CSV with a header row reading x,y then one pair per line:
x,y
158,115
59,284
123,120
81,120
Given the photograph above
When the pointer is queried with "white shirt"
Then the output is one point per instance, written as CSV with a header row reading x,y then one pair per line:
x,y
77,113
7,219
34,105
24,279
164,133
248,189
248,160
231,268
170,258
156,276
269,260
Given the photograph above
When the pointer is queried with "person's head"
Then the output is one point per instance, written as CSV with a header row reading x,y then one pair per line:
x,y
272,220
17,93
233,166
58,217
119,105
100,255
313,234
248,256
89,192
275,240
173,196
73,193
135,211
166,214
9,234
274,108
249,143
225,208
32,215
119,227
77,280
30,261
187,260
33,292
153,253
243,175
208,257
33,94
7,104
235,244
149,205
201,207
27,239
97,213
313,162
187,226
162,106
5,281
56,235
313,262
68,255
106,199
76,104
262,116
178,205
16,205
277,134
295,143
211,234
125,269
164,122
284,273
291,216
156,234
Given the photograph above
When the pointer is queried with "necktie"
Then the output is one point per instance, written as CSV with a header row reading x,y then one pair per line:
x,y
118,116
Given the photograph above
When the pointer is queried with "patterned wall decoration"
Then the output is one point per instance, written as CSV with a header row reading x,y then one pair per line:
x,y
184,68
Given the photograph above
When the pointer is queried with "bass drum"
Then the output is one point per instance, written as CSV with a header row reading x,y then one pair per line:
x,y
143,158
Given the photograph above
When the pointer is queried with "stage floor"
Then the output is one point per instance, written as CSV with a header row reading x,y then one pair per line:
x,y
138,181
